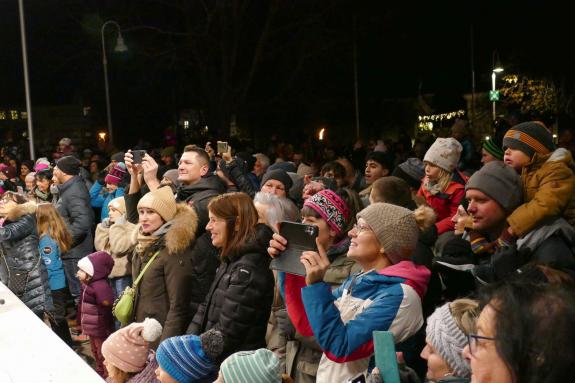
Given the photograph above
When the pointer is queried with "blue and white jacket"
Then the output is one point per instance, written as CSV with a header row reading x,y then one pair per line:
x,y
343,320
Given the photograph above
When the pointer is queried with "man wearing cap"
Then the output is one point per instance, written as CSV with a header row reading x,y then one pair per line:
x,y
494,192
74,206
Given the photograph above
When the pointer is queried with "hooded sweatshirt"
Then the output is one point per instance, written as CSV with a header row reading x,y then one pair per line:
x,y
343,320
98,298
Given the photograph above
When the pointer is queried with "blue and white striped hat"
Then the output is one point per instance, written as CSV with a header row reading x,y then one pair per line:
x,y
190,358
259,366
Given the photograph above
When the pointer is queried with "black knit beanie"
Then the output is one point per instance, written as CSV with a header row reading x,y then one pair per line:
x,y
69,165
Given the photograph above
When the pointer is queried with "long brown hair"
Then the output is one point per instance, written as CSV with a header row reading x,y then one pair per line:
x,y
51,223
241,217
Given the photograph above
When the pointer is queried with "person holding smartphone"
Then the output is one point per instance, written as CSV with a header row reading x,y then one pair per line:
x,y
333,212
385,295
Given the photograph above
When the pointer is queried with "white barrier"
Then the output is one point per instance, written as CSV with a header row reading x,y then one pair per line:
x,y
31,352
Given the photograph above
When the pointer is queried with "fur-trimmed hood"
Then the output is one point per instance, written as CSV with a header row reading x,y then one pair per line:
x,y
20,210
179,233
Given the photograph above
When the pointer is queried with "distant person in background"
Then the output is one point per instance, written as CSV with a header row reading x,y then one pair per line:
x,y
491,151
460,132
65,148
25,168
378,164
168,157
261,165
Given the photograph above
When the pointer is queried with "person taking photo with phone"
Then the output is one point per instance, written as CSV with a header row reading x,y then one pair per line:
x,y
386,295
196,185
334,215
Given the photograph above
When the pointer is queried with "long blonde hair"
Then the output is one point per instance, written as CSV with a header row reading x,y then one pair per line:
x,y
50,222
444,178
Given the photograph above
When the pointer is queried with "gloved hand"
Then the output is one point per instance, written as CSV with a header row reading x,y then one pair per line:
x,y
102,177
284,323
106,223
504,262
457,251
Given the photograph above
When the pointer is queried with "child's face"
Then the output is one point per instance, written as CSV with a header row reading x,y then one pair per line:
x,y
82,276
114,214
163,376
111,188
432,171
516,159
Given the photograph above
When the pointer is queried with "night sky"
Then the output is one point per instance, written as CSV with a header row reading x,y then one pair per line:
x,y
403,48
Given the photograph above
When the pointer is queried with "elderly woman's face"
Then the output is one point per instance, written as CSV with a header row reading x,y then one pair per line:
x,y
487,366
437,368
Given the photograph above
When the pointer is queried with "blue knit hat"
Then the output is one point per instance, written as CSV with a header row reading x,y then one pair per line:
x,y
190,358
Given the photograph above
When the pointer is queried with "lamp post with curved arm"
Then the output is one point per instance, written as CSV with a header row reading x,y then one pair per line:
x,y
120,47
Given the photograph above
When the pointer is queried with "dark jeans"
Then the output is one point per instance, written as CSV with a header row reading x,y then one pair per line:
x,y
70,269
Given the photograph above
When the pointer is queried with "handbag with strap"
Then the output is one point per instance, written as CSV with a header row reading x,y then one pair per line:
x,y
123,308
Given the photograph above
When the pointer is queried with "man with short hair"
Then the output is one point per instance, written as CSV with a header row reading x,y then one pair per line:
x,y
493,193
74,207
196,186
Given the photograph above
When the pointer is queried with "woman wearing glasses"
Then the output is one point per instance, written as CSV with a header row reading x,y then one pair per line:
x,y
385,295
446,336
333,212
525,334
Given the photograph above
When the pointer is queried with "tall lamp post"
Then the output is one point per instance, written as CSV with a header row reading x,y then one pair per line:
x,y
494,94
120,47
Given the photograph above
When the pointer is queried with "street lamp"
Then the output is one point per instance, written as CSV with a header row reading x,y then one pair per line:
x,y
494,95
120,47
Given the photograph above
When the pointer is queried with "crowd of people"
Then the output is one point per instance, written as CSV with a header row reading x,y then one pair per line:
x,y
468,264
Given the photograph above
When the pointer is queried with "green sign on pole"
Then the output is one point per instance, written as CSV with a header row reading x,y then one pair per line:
x,y
493,95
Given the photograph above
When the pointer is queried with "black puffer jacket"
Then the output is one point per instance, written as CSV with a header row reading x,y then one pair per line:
x,y
74,206
240,298
19,252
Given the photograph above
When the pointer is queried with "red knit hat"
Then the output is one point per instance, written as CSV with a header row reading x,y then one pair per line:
x,y
116,174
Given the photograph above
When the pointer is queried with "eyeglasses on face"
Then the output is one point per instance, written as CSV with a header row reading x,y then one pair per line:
x,y
473,340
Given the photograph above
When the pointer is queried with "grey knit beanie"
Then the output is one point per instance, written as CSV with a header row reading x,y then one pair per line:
x,y
395,228
448,340
500,182
445,153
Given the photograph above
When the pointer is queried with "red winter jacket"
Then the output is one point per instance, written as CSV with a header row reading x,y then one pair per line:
x,y
445,204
